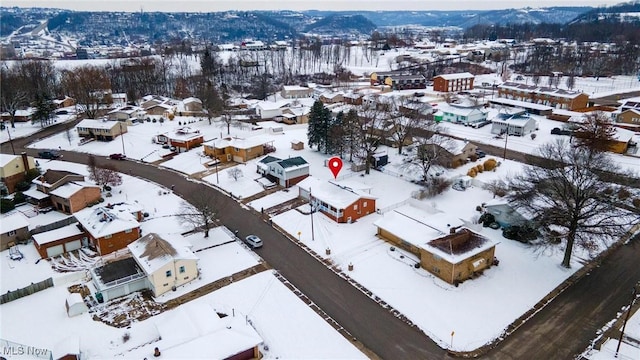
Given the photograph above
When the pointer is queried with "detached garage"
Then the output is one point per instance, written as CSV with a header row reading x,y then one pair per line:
x,y
59,241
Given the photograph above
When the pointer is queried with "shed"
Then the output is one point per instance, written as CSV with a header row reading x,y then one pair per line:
x,y
75,305
297,145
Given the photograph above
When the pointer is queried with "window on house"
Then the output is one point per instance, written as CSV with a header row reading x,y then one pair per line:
x,y
355,207
364,204
182,269
128,231
11,233
108,236
168,273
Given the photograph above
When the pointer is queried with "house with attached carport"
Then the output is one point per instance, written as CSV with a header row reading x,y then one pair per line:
x,y
15,229
109,229
343,202
287,172
442,244
59,241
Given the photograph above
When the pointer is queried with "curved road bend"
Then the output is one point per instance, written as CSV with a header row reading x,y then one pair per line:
x,y
380,331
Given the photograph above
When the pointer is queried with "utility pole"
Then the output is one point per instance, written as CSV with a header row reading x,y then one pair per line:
x,y
311,204
11,141
122,138
634,292
506,138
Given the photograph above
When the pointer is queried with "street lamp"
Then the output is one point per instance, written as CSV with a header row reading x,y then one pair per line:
x,y
634,293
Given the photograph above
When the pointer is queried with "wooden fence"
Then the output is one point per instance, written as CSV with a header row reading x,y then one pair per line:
x,y
28,290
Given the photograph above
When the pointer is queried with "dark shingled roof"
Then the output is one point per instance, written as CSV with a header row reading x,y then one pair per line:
x,y
461,242
294,161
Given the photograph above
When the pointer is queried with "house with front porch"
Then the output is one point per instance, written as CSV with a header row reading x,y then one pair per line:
x,y
341,202
287,172
101,130
109,228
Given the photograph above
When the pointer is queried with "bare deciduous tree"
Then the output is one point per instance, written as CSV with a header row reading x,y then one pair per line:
x,y
568,198
90,87
235,173
596,132
202,212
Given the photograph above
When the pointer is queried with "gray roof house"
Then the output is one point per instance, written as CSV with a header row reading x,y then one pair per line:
x,y
287,172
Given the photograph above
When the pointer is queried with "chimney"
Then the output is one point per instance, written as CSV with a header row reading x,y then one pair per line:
x,y
453,229
25,161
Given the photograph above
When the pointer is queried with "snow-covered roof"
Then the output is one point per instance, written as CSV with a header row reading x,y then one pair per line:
x,y
97,124
540,90
185,133
294,88
523,104
6,159
13,222
197,332
153,252
57,234
332,193
464,75
273,105
126,110
417,226
101,221
459,246
452,145
191,100
462,111
237,142
67,190
35,194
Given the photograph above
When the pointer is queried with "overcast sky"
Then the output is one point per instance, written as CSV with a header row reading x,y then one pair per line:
x,y
222,5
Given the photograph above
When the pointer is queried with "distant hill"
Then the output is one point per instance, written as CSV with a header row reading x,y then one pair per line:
x,y
336,24
621,13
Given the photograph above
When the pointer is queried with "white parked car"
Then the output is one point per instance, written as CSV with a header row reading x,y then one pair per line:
x,y
253,241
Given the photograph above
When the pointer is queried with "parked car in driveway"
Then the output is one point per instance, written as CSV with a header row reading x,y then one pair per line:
x,y
117,156
49,154
559,131
253,241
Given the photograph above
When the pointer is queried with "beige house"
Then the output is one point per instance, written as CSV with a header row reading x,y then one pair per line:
x,y
13,169
444,248
235,149
102,130
167,263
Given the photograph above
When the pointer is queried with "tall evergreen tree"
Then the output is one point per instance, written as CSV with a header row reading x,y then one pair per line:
x,y
44,109
318,129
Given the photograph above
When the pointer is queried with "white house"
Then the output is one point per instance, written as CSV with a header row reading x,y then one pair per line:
x,y
271,109
166,263
287,172
514,122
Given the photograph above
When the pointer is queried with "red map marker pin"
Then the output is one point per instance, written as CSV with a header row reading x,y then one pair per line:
x,y
335,165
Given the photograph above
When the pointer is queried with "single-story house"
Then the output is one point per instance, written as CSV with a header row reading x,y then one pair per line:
x,y
235,149
13,169
513,121
190,106
331,97
457,151
59,241
296,92
287,172
271,109
126,113
629,116
15,229
444,248
295,115
163,109
344,203
103,130
64,102
185,138
118,278
462,115
109,229
167,263
198,331
21,115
